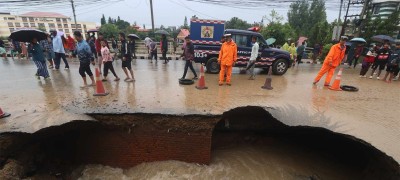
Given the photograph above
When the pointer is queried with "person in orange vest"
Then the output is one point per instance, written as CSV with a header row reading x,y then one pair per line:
x,y
332,60
227,58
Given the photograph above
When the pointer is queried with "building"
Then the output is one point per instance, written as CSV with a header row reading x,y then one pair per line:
x,y
41,20
384,8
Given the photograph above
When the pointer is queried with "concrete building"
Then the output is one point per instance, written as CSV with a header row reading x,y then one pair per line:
x,y
384,8
41,20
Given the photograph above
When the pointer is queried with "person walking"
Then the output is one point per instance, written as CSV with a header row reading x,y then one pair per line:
x,y
107,61
114,45
38,58
98,49
393,65
316,52
332,60
16,49
254,55
367,62
92,44
85,57
24,50
126,58
3,51
147,42
382,57
357,53
59,51
164,48
188,54
153,51
132,47
48,50
300,51
293,53
227,58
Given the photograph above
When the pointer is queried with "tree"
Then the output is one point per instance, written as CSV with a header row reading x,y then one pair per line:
x,y
103,20
110,21
122,25
185,23
274,17
381,26
109,30
118,19
236,23
298,16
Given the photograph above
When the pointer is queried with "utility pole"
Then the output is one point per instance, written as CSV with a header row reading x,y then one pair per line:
x,y
73,11
152,17
340,14
343,31
363,16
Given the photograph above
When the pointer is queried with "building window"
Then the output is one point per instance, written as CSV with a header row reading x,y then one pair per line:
x,y
41,25
11,30
26,24
52,25
78,26
5,18
66,30
24,19
33,25
73,26
58,19
31,19
64,20
11,19
59,25
17,24
10,24
65,25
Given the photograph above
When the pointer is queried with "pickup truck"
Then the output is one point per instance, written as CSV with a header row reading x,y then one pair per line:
x,y
207,50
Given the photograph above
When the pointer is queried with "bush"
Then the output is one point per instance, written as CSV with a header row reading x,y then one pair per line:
x,y
325,51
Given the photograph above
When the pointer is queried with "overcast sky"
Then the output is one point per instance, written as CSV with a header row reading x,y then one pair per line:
x,y
173,12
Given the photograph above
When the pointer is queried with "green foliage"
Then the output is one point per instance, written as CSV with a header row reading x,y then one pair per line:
x,y
110,21
236,23
275,29
185,24
109,30
274,17
309,19
325,51
103,20
381,26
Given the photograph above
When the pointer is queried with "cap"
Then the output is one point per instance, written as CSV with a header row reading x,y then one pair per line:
x,y
227,35
344,38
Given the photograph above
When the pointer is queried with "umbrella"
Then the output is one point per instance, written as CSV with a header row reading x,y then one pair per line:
x,y
360,40
162,32
270,41
92,30
26,35
134,36
382,38
301,39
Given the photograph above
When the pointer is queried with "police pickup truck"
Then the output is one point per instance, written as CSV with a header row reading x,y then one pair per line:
x,y
206,35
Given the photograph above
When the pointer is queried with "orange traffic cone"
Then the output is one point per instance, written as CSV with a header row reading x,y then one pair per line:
x,y
267,84
202,82
100,91
336,84
3,114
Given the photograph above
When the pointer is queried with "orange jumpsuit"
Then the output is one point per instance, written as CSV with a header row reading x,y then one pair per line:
x,y
332,60
227,57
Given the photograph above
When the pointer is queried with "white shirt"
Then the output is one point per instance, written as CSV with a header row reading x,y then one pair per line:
x,y
147,41
58,46
254,52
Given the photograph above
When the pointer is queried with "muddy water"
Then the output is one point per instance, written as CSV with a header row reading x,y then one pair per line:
x,y
243,162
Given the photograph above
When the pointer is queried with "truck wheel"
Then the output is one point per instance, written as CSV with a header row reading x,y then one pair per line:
x,y
280,67
213,66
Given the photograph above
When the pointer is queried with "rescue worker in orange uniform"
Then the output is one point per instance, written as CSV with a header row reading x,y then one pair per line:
x,y
227,58
332,60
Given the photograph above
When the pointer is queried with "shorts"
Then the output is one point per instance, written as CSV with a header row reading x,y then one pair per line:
x,y
127,63
50,55
392,68
380,64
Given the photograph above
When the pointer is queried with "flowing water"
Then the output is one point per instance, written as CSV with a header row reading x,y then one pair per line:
x,y
241,162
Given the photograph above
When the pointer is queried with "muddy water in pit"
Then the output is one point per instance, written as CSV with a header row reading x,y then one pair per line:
x,y
243,162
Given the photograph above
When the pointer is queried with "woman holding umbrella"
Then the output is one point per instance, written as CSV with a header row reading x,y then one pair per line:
x,y
38,59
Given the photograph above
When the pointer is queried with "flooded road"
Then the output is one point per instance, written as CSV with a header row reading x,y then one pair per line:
x,y
372,114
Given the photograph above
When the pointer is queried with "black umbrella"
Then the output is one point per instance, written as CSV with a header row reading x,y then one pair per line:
x,y
134,36
382,38
26,35
93,30
162,32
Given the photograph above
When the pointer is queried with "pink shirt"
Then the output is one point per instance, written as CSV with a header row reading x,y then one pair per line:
x,y
105,53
